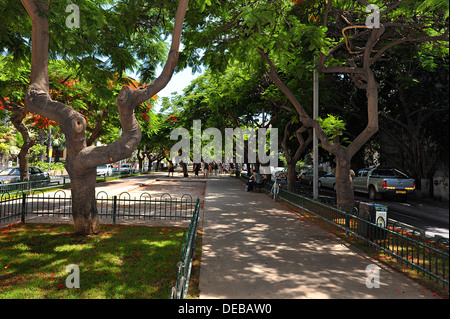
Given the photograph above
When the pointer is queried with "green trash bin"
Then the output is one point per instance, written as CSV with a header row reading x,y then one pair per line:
x,y
373,221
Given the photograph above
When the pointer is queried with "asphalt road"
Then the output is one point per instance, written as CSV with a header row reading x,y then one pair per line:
x,y
430,216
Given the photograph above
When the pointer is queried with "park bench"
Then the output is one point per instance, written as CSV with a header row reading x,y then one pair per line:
x,y
259,186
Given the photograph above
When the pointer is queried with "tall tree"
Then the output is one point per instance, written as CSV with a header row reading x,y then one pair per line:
x,y
82,160
340,37
414,108
361,45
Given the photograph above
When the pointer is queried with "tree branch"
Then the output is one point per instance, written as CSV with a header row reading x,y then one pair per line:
x,y
303,116
38,12
442,37
80,158
137,96
128,99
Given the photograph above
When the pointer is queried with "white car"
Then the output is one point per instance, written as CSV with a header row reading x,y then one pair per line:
x,y
105,170
126,169
328,181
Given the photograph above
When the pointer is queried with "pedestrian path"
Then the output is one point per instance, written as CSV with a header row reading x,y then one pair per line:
x,y
256,248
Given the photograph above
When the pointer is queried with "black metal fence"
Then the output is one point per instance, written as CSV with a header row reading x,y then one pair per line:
x,y
407,245
22,205
180,290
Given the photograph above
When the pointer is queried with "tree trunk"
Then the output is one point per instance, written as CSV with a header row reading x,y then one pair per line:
x,y
343,155
344,185
292,160
84,204
16,118
291,175
140,160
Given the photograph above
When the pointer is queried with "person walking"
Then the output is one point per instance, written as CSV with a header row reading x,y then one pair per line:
x,y
206,170
171,168
196,169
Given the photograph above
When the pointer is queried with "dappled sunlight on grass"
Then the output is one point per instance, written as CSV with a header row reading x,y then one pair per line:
x,y
120,262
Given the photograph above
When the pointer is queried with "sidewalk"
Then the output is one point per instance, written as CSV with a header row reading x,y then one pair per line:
x,y
256,248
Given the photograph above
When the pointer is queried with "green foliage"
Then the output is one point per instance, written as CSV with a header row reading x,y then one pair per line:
x,y
428,5
59,166
36,151
333,127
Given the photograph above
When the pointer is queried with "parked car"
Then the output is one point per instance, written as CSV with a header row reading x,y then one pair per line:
x,y
307,176
105,170
383,180
125,169
9,177
328,181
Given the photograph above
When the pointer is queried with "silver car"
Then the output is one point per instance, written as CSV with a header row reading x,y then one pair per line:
x,y
10,178
126,169
327,181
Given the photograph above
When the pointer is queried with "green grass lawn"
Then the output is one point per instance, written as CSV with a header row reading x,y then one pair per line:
x,y
121,262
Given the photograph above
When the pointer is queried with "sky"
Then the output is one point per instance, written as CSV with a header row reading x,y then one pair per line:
x,y
178,82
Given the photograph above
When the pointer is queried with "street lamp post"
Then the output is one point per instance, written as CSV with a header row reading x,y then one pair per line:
x,y
315,141
50,148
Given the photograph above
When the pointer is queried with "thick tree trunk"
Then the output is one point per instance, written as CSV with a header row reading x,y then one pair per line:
x,y
291,175
344,185
343,155
84,204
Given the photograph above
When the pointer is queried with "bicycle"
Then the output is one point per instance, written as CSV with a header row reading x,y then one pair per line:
x,y
275,190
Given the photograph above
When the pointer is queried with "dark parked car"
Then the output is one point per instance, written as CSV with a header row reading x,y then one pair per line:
x,y
9,177
307,176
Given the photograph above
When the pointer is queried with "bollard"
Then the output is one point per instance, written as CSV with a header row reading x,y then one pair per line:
x,y
24,205
114,209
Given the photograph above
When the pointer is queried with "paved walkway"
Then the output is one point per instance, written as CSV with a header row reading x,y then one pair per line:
x,y
256,248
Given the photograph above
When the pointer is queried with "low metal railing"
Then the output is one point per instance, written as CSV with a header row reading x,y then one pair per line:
x,y
123,206
180,290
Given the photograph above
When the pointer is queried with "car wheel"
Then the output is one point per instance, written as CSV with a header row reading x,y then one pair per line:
x,y
372,193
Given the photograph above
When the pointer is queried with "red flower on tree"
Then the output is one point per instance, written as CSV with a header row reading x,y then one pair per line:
x,y
172,118
41,122
145,117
